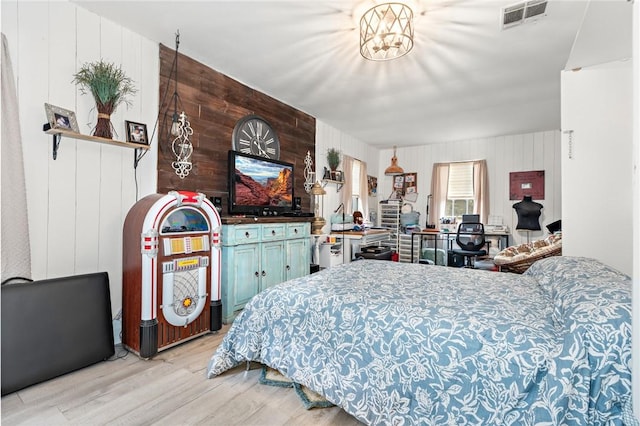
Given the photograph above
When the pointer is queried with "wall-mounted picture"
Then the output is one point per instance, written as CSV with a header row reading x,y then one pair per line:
x,y
372,183
60,118
526,184
136,132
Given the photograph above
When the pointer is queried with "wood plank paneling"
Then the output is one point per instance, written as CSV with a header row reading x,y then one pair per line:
x,y
214,103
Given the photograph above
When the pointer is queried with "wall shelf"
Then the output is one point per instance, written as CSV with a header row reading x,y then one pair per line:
x,y
339,183
59,133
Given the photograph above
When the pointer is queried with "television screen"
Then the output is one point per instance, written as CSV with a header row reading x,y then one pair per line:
x,y
259,185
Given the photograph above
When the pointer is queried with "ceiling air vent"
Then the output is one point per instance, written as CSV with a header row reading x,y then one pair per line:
x,y
520,13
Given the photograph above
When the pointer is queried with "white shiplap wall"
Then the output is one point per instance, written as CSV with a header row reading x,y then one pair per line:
x,y
77,203
504,154
330,137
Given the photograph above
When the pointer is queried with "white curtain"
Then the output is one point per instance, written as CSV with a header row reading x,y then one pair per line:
x,y
348,188
364,191
439,185
16,254
481,190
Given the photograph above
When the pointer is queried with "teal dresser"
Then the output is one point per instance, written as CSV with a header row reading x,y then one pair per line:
x,y
256,256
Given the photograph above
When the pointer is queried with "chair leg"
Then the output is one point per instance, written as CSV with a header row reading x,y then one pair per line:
x,y
469,262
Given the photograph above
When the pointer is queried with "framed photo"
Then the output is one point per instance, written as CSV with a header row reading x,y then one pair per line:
x,y
137,132
60,118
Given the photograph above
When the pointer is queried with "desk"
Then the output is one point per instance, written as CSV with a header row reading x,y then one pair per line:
x,y
357,239
449,237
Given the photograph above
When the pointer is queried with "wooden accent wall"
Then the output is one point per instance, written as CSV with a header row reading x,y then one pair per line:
x,y
214,103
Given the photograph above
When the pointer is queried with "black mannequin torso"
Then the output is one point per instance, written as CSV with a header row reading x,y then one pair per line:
x,y
528,214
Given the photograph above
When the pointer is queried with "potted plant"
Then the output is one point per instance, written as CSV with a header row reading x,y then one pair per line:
x,y
109,86
333,160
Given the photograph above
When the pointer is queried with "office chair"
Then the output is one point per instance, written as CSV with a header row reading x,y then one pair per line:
x,y
470,238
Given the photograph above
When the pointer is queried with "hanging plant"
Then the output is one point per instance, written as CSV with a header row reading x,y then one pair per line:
x,y
109,86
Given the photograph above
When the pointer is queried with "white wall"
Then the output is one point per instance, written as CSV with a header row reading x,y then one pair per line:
x,y
504,154
597,164
636,204
330,137
77,203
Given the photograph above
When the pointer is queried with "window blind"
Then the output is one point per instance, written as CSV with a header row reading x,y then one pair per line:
x,y
460,181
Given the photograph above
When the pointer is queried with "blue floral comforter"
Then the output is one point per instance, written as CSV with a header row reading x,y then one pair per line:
x,y
409,344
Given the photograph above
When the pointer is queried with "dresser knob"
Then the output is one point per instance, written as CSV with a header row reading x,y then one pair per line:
x,y
246,234
273,232
257,274
264,273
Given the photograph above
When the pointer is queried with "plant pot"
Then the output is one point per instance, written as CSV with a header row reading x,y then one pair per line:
x,y
103,126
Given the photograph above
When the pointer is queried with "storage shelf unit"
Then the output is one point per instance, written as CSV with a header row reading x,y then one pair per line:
x,y
390,219
331,254
404,249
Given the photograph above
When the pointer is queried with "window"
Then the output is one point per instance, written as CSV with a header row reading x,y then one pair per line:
x,y
468,192
460,196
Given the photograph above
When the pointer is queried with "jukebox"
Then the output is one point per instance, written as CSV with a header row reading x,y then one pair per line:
x,y
171,271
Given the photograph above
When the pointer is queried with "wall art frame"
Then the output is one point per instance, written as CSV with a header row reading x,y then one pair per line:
x,y
61,118
136,132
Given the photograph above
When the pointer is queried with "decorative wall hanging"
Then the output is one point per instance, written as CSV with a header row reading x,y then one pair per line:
x,y
526,184
372,183
181,130
309,175
182,148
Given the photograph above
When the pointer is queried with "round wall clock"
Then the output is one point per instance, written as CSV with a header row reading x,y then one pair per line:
x,y
253,135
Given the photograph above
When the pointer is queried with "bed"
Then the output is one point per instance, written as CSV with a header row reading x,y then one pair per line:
x,y
396,343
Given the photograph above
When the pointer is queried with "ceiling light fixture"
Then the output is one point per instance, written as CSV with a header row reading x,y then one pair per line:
x,y
394,169
386,31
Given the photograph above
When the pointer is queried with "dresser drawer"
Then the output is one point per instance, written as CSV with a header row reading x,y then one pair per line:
x,y
275,231
298,230
240,234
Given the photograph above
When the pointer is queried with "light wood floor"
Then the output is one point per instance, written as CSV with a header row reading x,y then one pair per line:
x,y
170,389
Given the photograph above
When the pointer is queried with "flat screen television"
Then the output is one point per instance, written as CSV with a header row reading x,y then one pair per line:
x,y
259,186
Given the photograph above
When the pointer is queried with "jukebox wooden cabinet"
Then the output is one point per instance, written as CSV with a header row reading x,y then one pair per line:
x,y
171,271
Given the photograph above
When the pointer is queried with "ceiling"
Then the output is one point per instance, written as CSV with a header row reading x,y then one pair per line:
x,y
465,77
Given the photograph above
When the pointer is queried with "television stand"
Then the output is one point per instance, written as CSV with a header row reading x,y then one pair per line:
x,y
297,214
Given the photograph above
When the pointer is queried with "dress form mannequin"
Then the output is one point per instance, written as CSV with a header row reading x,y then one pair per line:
x,y
528,212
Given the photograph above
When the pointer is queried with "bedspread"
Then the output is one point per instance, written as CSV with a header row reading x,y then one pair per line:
x,y
417,344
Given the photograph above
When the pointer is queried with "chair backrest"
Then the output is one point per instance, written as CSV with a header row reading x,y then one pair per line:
x,y
470,236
